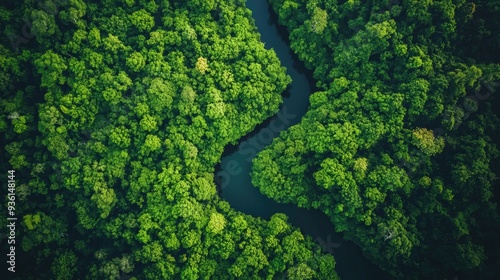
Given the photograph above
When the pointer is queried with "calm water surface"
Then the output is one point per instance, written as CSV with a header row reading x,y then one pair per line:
x,y
234,170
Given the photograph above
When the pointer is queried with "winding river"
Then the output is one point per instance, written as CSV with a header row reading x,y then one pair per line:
x,y
233,172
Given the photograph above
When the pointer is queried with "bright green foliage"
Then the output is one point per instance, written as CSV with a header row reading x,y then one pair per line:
x,y
152,142
319,20
142,20
216,223
302,271
120,137
52,66
148,123
202,65
424,139
114,118
136,62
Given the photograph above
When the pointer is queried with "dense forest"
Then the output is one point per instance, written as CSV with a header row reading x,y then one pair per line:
x,y
397,146
114,115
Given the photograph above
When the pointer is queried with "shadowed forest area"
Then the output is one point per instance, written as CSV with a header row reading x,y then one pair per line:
x,y
396,147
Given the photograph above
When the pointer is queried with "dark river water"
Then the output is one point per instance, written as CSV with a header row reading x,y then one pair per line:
x,y
233,172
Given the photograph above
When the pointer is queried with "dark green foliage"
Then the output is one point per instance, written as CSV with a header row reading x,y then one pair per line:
x,y
395,147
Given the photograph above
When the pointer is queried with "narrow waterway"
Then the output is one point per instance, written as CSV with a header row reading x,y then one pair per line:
x,y
233,172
